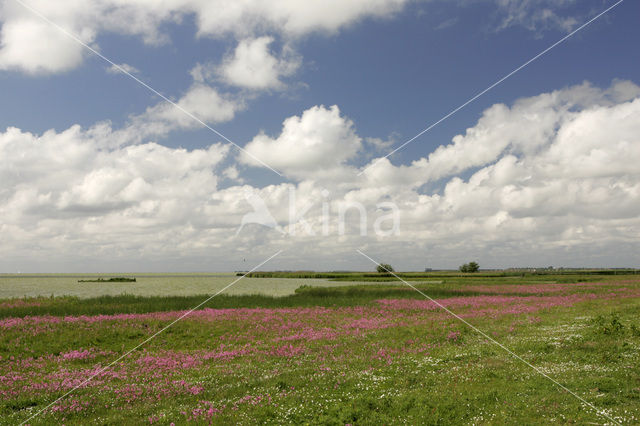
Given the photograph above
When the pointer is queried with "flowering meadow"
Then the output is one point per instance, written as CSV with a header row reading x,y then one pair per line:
x,y
377,354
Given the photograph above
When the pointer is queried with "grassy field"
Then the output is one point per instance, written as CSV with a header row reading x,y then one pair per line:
x,y
358,354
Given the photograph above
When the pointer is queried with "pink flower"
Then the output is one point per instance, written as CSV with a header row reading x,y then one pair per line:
x,y
453,336
76,354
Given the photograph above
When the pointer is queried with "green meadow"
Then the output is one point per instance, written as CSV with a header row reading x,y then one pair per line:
x,y
328,352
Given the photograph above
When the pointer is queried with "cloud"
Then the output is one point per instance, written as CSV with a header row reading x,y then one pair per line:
x,y
447,23
290,18
317,143
554,170
380,145
525,128
30,44
73,171
253,66
65,191
232,173
113,69
36,47
553,173
203,101
200,100
540,15
549,179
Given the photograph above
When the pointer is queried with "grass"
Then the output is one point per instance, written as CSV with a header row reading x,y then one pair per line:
x,y
362,354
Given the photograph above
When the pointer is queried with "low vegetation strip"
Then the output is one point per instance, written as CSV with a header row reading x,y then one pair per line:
x,y
360,276
110,280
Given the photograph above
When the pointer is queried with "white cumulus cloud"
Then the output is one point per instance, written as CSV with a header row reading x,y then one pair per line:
x,y
316,144
253,66
30,44
549,179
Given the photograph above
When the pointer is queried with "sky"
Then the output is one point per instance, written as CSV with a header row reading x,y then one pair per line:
x,y
198,135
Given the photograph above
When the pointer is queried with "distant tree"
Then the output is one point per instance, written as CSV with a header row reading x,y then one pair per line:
x,y
384,268
473,267
470,267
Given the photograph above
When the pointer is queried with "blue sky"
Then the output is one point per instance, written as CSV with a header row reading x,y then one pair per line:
x,y
394,75
392,69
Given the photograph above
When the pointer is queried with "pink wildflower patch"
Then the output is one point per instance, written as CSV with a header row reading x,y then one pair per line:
x,y
288,351
19,303
453,336
369,323
77,354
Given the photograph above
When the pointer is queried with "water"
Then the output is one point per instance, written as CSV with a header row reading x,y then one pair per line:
x,y
32,285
